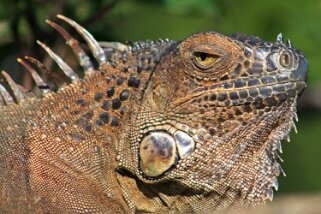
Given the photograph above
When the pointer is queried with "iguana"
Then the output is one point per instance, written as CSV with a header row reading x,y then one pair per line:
x,y
192,126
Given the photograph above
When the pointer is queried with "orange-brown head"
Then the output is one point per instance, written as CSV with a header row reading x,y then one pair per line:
x,y
213,114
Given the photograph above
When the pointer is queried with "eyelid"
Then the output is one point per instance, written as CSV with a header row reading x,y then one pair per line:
x,y
197,53
207,50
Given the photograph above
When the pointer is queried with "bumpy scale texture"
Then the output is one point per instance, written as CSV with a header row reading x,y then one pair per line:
x,y
158,126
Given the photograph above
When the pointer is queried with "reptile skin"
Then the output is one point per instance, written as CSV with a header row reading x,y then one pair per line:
x,y
160,126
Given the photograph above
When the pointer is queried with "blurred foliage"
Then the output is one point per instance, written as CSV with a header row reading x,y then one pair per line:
x,y
22,22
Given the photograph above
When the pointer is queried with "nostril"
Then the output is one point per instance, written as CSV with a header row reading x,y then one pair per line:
x,y
301,73
303,69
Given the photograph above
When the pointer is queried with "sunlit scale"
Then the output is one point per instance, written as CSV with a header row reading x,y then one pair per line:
x,y
185,144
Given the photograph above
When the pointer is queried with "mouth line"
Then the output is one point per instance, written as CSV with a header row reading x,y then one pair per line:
x,y
201,91
298,89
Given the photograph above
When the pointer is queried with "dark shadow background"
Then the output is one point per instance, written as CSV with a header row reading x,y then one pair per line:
x,y
22,22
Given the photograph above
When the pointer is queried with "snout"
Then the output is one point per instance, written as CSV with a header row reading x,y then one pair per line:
x,y
300,75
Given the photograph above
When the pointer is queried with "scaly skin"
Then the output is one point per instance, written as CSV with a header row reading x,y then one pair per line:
x,y
166,127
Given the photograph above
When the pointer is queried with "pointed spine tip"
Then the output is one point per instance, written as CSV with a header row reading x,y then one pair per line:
x,y
296,118
288,139
23,63
41,44
277,156
294,128
279,38
4,73
41,66
270,194
16,89
281,171
279,146
38,80
60,16
289,44
276,184
5,95
49,22
60,30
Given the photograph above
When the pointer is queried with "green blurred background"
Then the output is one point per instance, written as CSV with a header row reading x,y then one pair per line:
x,y
23,21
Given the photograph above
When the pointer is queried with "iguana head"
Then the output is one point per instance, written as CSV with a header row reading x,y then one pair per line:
x,y
213,114
196,125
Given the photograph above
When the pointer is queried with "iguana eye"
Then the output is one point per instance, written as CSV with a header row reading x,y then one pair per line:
x,y
285,60
204,60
